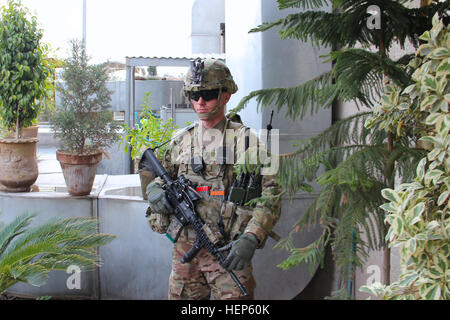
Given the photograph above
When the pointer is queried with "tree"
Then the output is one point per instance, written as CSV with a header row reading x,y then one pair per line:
x,y
358,162
24,71
83,123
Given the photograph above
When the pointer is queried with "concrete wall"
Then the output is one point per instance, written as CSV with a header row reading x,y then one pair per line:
x,y
137,265
206,17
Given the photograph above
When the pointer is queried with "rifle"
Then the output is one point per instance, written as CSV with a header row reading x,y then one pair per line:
x,y
183,196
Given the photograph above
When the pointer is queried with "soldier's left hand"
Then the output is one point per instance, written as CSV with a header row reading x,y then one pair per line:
x,y
241,252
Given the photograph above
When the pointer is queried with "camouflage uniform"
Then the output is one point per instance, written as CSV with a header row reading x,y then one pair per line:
x,y
196,279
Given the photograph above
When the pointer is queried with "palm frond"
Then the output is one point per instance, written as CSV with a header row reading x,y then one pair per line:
x,y
32,274
56,262
10,231
88,241
45,231
28,252
53,233
53,245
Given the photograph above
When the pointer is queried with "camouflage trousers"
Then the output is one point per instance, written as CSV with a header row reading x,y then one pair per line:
x,y
204,275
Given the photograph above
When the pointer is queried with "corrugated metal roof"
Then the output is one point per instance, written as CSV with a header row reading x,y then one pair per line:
x,y
168,61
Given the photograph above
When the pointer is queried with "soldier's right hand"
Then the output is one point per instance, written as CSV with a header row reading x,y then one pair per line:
x,y
157,199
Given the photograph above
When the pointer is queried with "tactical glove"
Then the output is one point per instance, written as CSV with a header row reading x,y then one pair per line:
x,y
241,252
157,199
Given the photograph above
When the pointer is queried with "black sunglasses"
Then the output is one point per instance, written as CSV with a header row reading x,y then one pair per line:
x,y
207,95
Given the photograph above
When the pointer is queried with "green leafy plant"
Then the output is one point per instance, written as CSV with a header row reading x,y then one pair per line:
x,y
83,123
28,254
150,131
48,104
358,162
24,71
418,211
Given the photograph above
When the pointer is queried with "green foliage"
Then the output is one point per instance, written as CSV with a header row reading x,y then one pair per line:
x,y
83,122
24,71
418,212
350,195
349,162
346,25
363,85
28,254
344,28
149,132
312,254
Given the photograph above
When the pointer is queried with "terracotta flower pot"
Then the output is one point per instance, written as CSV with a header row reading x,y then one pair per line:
x,y
28,132
18,164
79,171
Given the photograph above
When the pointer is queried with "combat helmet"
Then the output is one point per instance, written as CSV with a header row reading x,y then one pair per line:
x,y
208,74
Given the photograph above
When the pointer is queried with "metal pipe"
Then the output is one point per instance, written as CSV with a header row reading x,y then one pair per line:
x,y
172,105
84,23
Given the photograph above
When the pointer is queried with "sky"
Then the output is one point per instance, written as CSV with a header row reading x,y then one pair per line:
x,y
115,28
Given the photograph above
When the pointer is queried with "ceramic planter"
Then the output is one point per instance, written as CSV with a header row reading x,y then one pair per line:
x,y
18,164
79,171
28,132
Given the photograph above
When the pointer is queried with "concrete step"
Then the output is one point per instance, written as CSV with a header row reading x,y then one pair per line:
x,y
46,137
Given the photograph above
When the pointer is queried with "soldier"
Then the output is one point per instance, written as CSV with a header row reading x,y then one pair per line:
x,y
202,153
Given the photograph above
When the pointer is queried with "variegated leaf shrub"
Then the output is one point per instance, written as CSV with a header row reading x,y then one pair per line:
x,y
418,212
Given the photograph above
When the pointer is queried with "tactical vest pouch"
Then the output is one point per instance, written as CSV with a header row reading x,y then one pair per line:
x,y
253,192
197,164
237,195
174,230
242,217
227,212
145,177
157,222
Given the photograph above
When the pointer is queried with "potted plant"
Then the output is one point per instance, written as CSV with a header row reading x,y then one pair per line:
x,y
82,122
28,253
148,132
24,81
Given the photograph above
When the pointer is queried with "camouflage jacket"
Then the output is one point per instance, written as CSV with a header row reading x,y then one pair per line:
x,y
224,218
